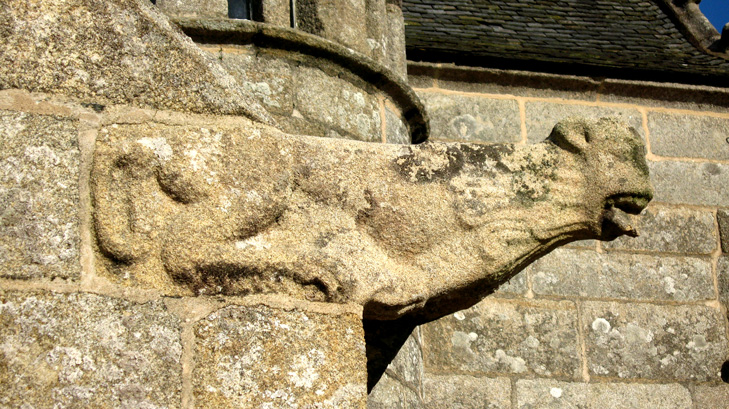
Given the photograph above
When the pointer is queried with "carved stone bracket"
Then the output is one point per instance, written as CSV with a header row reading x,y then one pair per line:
x,y
420,231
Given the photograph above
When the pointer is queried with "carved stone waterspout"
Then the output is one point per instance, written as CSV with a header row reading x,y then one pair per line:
x,y
401,230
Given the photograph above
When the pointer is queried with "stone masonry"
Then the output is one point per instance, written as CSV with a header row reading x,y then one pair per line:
x,y
632,323
635,323
72,337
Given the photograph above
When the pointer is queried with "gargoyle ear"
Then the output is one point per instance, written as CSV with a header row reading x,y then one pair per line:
x,y
571,134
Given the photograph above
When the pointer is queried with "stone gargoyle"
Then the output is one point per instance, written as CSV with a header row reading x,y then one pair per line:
x,y
418,231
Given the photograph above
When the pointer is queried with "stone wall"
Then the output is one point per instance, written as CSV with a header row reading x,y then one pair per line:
x,y
633,323
626,324
75,335
72,335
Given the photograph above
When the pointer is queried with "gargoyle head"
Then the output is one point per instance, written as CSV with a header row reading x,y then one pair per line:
x,y
613,159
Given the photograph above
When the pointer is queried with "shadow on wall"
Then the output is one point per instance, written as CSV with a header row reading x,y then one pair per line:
x,y
383,340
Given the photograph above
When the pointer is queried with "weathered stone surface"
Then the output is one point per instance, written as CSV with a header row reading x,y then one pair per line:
x,y
258,356
276,12
690,183
722,271
542,393
335,60
397,131
551,394
498,336
337,103
466,392
320,18
722,217
541,115
394,40
710,396
81,351
679,135
671,230
478,119
516,286
407,365
506,82
654,342
420,81
665,95
39,171
637,396
578,273
238,208
192,8
376,21
391,394
298,125
266,78
584,244
122,51
275,79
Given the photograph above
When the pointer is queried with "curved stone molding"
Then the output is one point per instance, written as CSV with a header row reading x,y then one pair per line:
x,y
368,71
401,230
375,28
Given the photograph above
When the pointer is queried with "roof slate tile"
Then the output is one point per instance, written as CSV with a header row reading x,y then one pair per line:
x,y
604,33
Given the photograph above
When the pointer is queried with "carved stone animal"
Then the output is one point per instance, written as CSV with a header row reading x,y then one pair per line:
x,y
402,230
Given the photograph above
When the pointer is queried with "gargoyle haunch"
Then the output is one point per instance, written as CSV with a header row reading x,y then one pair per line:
x,y
423,230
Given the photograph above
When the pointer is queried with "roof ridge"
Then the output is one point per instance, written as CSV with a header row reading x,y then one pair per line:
x,y
692,22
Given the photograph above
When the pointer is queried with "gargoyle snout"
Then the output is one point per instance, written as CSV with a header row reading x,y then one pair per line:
x,y
617,219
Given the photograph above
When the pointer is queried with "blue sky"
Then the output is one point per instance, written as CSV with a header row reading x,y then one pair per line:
x,y
717,11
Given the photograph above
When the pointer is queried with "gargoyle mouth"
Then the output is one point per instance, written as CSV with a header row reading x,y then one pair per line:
x,y
617,219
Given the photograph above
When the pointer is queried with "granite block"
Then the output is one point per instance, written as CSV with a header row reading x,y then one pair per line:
x,y
543,393
338,104
466,392
692,136
391,394
542,116
583,273
39,197
694,183
258,356
472,118
671,230
645,341
722,217
499,336
87,351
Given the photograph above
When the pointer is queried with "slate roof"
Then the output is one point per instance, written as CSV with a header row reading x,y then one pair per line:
x,y
636,39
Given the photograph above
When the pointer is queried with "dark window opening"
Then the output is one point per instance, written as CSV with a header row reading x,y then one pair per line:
x,y
241,9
